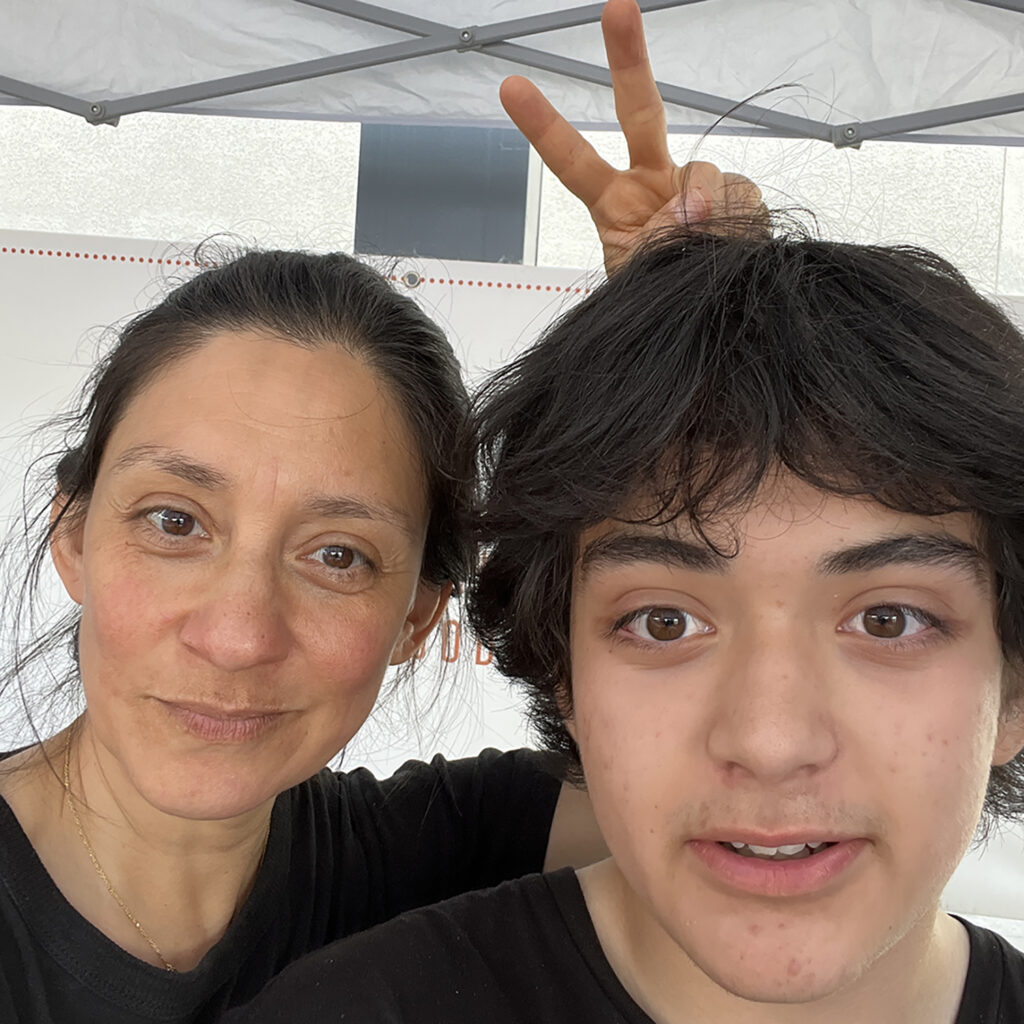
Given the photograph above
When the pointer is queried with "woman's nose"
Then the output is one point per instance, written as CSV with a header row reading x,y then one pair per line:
x,y
239,620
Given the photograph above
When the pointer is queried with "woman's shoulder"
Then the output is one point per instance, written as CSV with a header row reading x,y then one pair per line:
x,y
489,768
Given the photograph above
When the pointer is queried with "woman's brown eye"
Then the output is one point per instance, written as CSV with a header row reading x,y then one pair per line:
x,y
666,623
173,522
337,557
885,621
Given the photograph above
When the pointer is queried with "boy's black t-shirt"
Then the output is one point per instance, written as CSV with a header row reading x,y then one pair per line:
x,y
345,852
523,952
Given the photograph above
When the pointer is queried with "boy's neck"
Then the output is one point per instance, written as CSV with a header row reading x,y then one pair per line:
x,y
919,980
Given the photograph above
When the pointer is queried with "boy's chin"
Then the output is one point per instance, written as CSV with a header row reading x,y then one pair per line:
x,y
789,979
773,967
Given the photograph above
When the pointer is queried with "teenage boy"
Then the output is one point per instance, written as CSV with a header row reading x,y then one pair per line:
x,y
755,527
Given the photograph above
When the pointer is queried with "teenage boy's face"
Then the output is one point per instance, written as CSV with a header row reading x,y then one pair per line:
x,y
832,691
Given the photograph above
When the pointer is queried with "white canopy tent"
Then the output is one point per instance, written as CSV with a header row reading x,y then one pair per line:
x,y
843,71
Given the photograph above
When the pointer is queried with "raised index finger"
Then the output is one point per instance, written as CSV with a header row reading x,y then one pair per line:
x,y
568,155
638,103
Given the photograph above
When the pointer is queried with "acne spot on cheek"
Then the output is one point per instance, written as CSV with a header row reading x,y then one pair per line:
x,y
794,968
782,926
755,929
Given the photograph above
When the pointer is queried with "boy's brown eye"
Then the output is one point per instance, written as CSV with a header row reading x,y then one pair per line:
x,y
666,623
885,621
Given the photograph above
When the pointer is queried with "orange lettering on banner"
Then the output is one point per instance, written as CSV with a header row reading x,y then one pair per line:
x,y
483,655
451,640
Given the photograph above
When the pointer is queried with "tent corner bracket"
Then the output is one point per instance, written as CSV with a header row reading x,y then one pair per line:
x,y
846,136
97,114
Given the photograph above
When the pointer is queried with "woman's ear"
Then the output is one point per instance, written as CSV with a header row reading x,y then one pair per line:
x,y
563,698
1010,737
425,613
66,547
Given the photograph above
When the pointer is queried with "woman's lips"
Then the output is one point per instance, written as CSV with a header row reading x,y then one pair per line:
x,y
765,877
221,725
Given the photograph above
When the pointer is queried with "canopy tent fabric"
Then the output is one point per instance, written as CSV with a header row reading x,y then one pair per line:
x,y
844,71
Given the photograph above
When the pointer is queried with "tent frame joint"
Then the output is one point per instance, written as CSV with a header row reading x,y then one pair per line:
x,y
467,38
847,136
97,114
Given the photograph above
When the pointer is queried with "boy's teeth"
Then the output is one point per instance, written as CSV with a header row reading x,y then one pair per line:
x,y
786,851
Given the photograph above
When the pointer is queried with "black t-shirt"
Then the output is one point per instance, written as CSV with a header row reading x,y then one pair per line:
x,y
523,952
344,852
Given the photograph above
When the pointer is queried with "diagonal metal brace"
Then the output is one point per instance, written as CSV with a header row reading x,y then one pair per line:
x,y
492,40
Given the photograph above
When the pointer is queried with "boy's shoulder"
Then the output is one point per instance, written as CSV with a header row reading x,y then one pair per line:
x,y
524,950
994,990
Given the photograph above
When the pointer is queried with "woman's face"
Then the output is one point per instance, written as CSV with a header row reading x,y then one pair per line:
x,y
248,567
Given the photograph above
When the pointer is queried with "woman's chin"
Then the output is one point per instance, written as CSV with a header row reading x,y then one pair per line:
x,y
212,792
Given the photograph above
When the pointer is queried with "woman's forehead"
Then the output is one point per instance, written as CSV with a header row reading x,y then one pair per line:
x,y
244,403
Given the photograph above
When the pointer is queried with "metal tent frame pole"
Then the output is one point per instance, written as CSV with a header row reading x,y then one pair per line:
x,y
433,37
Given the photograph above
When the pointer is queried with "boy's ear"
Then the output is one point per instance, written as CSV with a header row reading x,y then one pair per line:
x,y
66,548
425,613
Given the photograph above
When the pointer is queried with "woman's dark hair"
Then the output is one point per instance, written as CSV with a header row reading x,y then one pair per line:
x,y
705,365
311,300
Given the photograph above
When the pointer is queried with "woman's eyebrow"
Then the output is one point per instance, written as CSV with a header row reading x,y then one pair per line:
x,y
623,548
927,549
167,460
329,506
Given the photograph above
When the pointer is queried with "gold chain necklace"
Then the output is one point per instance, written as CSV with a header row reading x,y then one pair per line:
x,y
167,965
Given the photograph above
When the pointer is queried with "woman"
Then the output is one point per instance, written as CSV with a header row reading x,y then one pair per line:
x,y
260,512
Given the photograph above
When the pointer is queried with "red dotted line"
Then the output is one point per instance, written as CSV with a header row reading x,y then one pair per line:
x,y
502,284
110,257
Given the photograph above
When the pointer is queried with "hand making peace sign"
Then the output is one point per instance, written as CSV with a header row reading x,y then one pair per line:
x,y
627,206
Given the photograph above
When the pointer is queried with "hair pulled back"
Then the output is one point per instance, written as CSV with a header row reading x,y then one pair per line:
x,y
308,299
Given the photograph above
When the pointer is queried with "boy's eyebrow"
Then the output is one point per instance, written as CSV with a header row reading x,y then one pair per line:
x,y
937,549
932,549
621,548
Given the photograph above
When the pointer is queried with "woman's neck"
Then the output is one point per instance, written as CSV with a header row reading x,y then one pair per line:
x,y
182,880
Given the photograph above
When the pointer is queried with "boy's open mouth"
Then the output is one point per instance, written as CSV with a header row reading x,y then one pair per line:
x,y
795,851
